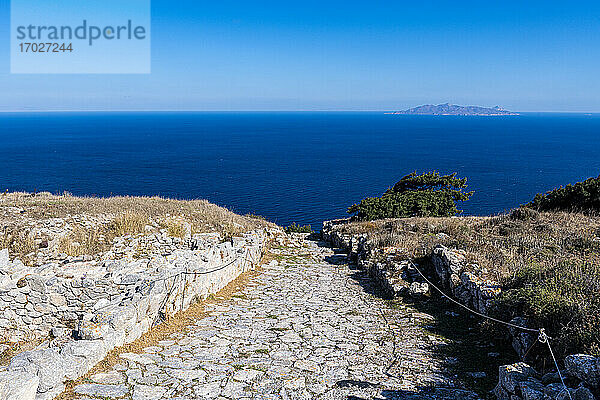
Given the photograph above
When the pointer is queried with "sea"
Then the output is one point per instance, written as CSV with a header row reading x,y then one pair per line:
x,y
303,167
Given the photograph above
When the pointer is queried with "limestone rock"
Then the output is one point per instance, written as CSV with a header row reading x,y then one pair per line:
x,y
108,378
96,390
18,385
583,393
532,389
4,260
510,378
246,375
36,283
584,367
47,364
419,289
144,392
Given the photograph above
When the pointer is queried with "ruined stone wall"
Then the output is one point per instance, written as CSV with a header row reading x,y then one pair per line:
x,y
91,307
468,285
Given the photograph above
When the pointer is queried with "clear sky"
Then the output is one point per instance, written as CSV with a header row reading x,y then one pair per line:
x,y
334,55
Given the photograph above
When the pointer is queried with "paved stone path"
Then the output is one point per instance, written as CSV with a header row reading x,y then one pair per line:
x,y
308,327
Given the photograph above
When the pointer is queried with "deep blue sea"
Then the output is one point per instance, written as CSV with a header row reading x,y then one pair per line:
x,y
293,167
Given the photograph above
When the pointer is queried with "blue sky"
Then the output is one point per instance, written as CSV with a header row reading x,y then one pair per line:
x,y
333,55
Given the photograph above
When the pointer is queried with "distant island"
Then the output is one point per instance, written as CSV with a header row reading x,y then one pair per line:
x,y
451,109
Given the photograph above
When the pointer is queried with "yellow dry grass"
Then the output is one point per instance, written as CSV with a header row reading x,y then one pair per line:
x,y
548,264
117,216
502,244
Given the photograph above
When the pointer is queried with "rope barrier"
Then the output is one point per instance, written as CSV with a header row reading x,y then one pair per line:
x,y
189,273
469,309
245,259
185,274
542,336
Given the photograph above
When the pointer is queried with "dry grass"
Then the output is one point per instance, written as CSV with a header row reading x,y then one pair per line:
x,y
548,263
205,216
502,244
113,216
84,241
17,241
128,223
175,228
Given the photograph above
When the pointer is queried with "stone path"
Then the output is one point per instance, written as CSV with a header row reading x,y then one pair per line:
x,y
308,327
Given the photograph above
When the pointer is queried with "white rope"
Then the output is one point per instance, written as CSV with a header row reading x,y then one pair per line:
x,y
469,309
542,337
245,259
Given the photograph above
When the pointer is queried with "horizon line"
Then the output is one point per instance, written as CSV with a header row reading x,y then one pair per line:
x,y
247,111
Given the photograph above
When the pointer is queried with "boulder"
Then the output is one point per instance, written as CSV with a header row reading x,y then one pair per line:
x,y
89,330
419,288
447,262
584,367
47,364
81,355
16,385
511,379
532,389
583,393
520,382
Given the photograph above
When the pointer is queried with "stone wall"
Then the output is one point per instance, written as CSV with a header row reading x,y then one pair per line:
x,y
394,274
91,307
380,267
467,283
520,381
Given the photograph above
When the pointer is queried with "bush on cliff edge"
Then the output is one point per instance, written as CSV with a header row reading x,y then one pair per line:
x,y
427,195
582,196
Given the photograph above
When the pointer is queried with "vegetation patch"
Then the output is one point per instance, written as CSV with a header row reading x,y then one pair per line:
x,y
547,262
582,196
295,228
562,297
78,226
426,195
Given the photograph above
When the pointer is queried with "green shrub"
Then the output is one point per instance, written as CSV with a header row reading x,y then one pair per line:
x,y
426,195
255,216
295,228
562,298
582,196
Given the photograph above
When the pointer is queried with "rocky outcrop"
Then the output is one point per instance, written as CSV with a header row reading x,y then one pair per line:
x,y
520,381
584,367
468,284
93,307
395,275
353,244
